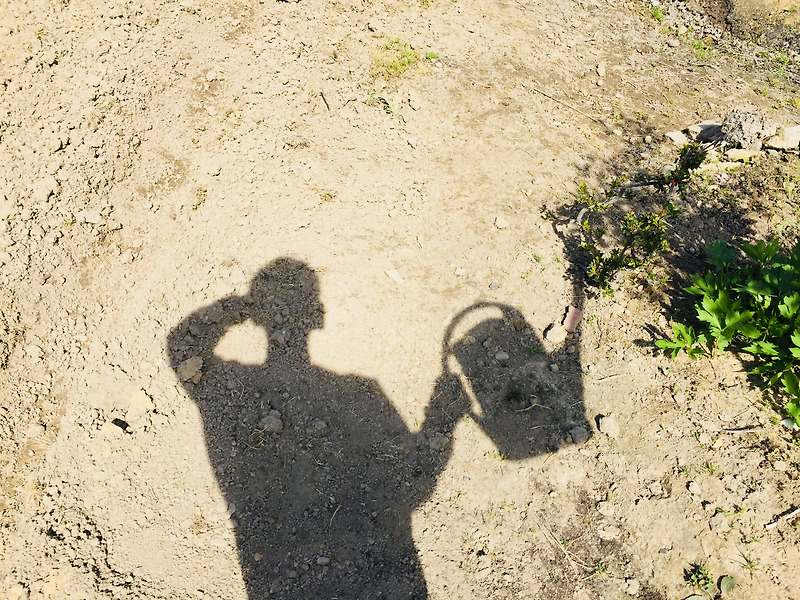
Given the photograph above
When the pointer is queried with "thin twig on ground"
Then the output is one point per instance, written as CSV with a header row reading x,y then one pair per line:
x,y
577,110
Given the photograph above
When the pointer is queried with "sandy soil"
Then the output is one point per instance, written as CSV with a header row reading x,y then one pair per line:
x,y
272,324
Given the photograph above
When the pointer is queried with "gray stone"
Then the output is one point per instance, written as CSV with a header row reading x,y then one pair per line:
x,y
745,128
601,68
323,560
572,319
189,370
578,434
271,423
502,356
719,523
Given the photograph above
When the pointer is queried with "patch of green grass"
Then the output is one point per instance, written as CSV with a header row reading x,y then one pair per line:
x,y
394,58
431,55
701,51
657,13
600,568
748,564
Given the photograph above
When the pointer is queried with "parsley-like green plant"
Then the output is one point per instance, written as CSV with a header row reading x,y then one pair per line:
x,y
617,239
699,577
642,238
752,307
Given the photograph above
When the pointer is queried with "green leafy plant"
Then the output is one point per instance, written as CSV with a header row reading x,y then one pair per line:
x,y
700,578
751,307
685,339
700,50
375,100
640,236
657,13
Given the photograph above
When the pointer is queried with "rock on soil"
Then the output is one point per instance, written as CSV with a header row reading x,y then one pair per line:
x,y
745,128
787,138
608,425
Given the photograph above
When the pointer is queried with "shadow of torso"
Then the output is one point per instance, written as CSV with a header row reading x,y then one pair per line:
x,y
323,506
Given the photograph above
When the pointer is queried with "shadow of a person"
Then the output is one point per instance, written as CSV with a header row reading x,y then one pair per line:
x,y
320,473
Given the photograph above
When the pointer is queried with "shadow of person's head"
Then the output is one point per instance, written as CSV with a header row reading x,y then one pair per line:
x,y
284,299
518,400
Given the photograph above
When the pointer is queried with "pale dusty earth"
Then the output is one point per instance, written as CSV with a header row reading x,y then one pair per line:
x,y
263,338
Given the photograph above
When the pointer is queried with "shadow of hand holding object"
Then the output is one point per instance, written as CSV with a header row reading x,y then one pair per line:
x,y
320,473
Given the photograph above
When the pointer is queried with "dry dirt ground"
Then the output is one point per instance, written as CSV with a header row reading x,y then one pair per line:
x,y
271,323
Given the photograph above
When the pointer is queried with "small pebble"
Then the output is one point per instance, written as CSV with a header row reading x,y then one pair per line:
x,y
323,560
502,356
694,488
605,508
632,587
555,333
554,367
601,68
608,425
719,523
578,434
